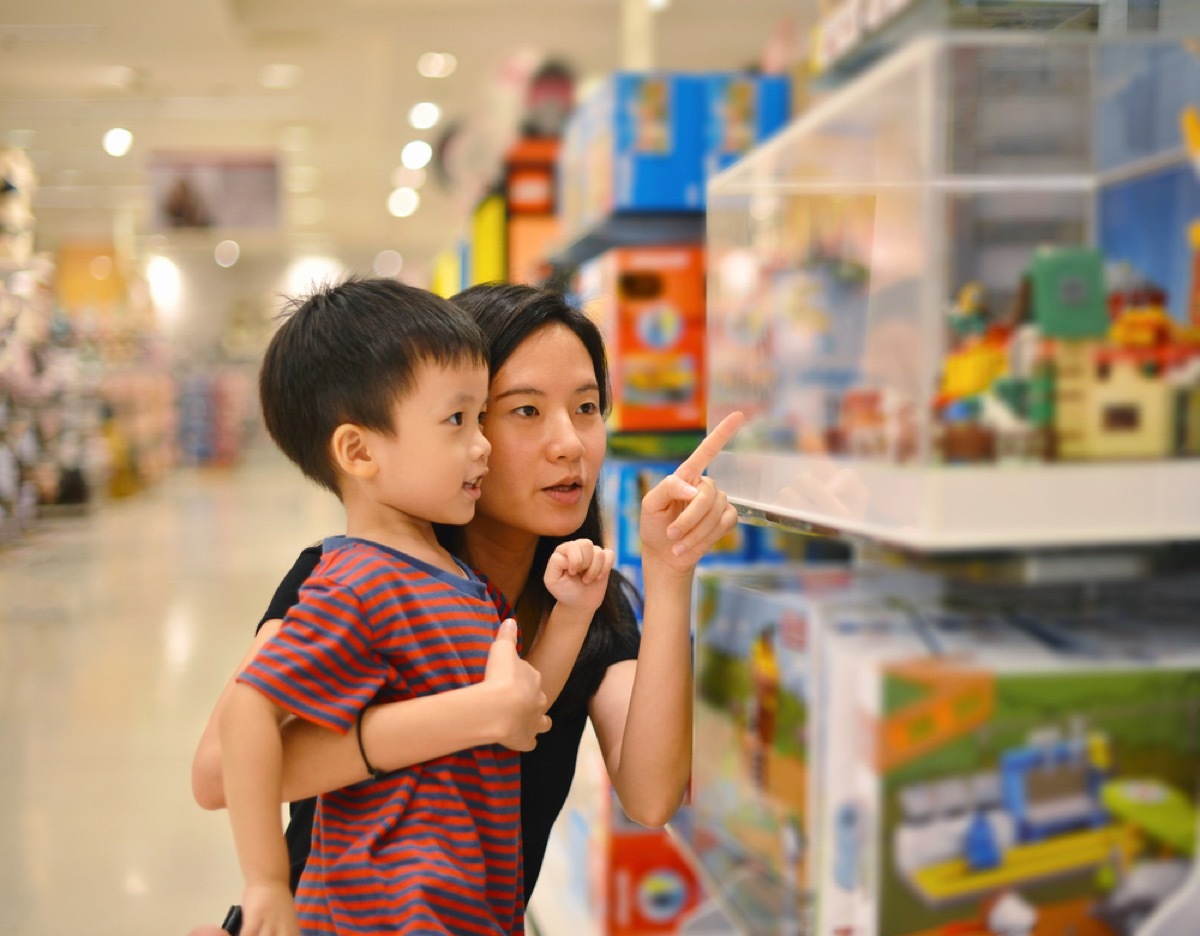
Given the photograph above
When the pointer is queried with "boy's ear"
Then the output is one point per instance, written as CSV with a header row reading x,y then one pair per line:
x,y
352,451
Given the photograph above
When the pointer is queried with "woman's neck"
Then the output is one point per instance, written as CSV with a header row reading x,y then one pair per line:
x,y
502,554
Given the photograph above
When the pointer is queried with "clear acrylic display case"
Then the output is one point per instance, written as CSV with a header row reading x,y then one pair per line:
x,y
957,299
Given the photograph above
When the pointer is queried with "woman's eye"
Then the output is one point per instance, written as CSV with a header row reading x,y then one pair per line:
x,y
456,419
527,410
589,409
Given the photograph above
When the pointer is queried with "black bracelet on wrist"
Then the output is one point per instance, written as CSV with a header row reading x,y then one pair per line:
x,y
374,771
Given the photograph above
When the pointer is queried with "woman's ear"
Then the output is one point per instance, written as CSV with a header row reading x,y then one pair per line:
x,y
352,451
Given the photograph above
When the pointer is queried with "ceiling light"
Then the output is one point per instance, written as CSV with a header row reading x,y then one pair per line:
x,y
306,274
279,77
388,263
424,115
416,155
658,5
300,179
436,64
226,253
403,177
403,202
166,287
117,141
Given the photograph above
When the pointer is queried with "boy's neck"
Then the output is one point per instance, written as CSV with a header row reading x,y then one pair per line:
x,y
366,519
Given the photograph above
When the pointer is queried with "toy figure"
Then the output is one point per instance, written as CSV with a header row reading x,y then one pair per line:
x,y
764,679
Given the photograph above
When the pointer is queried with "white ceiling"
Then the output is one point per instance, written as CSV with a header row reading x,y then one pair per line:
x,y
196,69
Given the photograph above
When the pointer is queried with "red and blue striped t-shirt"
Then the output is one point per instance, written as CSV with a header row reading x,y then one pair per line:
x,y
433,848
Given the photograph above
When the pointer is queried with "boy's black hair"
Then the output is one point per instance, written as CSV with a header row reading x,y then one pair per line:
x,y
510,313
346,354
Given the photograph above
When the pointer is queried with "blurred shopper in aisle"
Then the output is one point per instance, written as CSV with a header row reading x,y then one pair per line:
x,y
545,422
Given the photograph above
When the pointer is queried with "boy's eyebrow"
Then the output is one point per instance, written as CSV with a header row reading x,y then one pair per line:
x,y
533,391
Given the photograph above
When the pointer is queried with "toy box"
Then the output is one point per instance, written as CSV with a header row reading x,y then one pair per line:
x,y
993,783
956,298
649,303
639,140
760,722
742,111
629,880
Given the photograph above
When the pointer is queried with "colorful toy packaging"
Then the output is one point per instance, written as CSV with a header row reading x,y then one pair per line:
x,y
743,111
1004,771
649,303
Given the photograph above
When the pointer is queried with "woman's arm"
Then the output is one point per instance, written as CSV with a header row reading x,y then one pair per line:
x,y
642,711
508,707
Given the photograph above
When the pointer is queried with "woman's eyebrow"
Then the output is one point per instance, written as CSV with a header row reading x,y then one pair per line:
x,y
533,391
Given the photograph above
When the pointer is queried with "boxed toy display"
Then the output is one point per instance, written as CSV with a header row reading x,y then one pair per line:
x,y
992,782
956,298
743,110
637,144
649,304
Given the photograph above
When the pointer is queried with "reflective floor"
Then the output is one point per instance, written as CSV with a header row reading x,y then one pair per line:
x,y
117,631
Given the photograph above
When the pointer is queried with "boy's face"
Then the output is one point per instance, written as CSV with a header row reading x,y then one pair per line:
x,y
431,466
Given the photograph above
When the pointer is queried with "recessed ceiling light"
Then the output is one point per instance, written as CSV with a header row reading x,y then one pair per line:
x,y
117,141
403,177
436,64
227,252
658,5
279,77
403,202
424,115
388,263
416,155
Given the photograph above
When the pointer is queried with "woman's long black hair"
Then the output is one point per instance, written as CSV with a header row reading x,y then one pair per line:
x,y
509,313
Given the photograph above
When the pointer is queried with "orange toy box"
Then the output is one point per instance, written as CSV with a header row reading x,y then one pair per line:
x,y
649,302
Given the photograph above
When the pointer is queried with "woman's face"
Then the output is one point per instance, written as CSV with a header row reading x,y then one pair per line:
x,y
547,434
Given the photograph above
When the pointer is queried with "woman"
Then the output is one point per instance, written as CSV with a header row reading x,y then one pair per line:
x,y
545,422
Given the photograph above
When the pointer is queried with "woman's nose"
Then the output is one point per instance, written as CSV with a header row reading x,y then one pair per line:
x,y
565,442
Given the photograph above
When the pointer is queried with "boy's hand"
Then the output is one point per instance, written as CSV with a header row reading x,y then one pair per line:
x,y
577,575
685,514
268,910
520,704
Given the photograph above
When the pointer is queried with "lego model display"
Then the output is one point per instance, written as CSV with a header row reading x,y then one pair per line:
x,y
1004,771
957,298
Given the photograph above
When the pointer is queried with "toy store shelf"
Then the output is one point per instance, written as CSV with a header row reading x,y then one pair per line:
x,y
654,444
969,507
756,903
630,229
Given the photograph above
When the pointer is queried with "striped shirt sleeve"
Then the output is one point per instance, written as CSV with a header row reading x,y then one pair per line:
x,y
320,666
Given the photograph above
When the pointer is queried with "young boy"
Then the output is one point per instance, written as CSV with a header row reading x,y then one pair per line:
x,y
376,391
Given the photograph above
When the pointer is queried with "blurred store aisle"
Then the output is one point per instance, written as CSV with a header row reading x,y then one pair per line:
x,y
116,633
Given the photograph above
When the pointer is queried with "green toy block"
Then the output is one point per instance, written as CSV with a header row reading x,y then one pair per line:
x,y
1069,299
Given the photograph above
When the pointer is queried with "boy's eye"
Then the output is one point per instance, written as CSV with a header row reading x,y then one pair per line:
x,y
482,414
456,419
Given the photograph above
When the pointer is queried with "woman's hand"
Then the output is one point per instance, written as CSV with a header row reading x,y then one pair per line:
x,y
577,575
685,514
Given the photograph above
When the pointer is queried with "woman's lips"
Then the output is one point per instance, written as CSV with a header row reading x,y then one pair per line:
x,y
566,494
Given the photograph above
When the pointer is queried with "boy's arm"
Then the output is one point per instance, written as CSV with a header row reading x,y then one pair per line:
x,y
507,708
249,733
577,577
